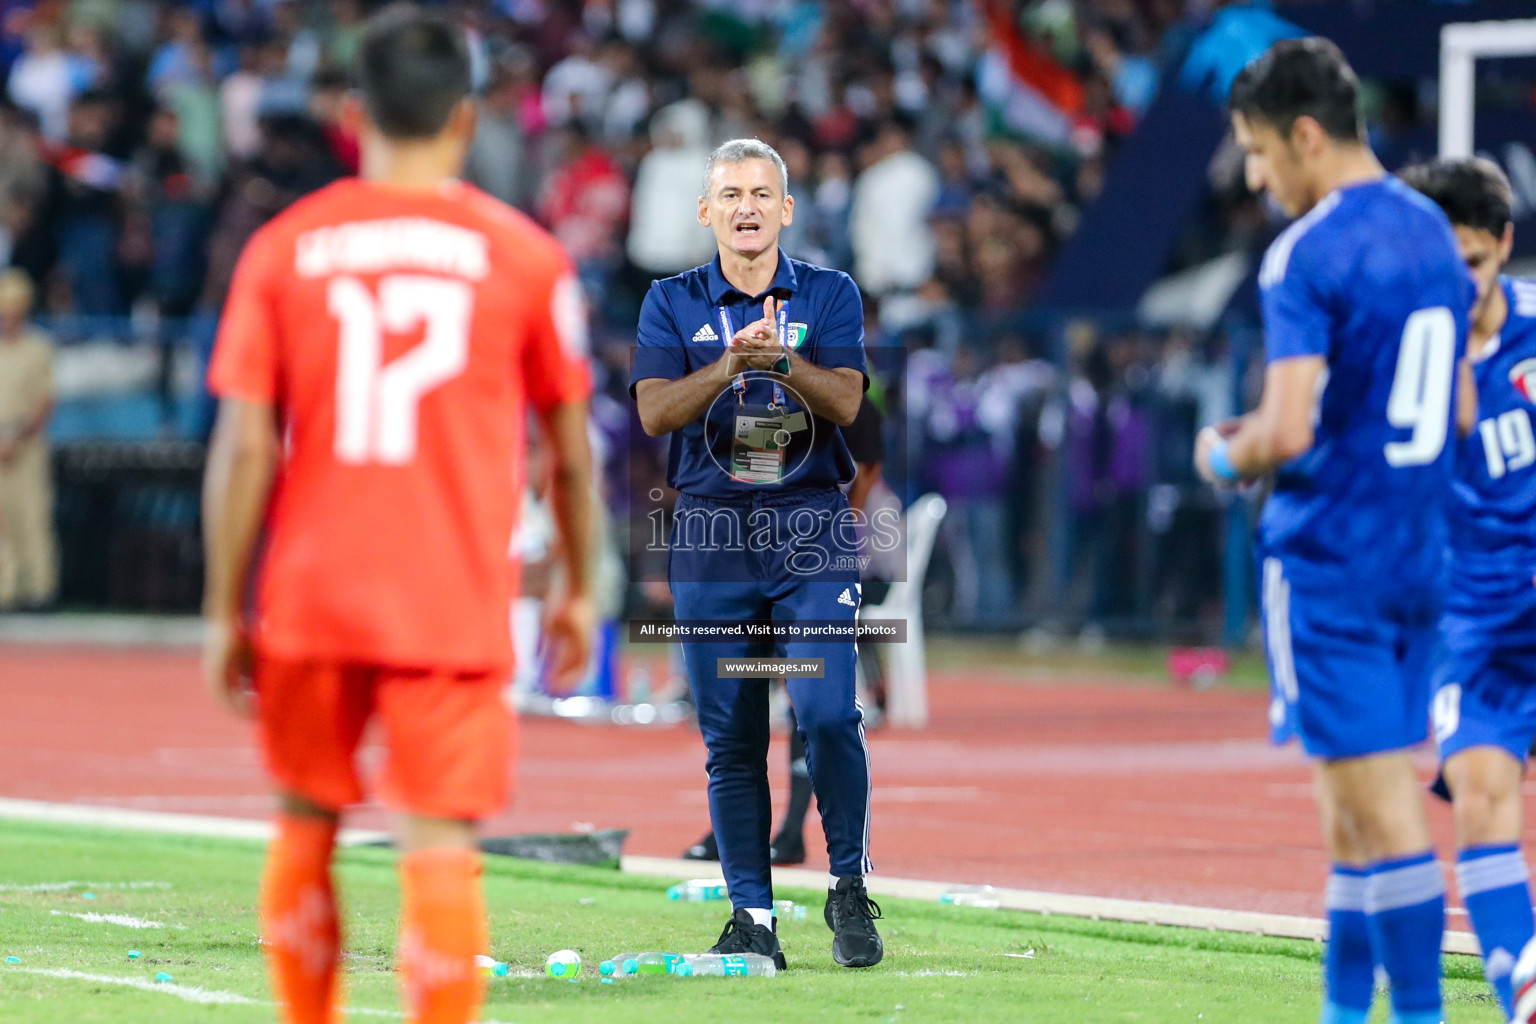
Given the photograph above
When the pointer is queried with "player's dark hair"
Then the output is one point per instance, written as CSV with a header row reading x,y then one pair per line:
x,y
1472,191
1301,78
412,68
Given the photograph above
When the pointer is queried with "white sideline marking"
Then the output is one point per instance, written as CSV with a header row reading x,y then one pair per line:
x,y
1095,907
190,993
122,919
160,821
61,886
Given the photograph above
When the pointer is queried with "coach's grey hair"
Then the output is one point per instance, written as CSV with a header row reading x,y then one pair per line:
x,y
737,150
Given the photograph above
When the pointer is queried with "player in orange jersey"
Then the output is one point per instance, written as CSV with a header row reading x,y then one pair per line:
x,y
383,341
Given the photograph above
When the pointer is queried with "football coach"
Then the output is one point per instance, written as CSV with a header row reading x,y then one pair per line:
x,y
752,362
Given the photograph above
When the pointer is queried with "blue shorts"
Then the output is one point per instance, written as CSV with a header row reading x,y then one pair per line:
x,y
1349,672
1485,696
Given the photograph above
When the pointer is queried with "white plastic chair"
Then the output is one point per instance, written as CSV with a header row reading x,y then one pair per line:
x,y
906,695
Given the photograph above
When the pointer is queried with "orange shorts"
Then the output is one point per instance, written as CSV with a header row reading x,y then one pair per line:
x,y
448,735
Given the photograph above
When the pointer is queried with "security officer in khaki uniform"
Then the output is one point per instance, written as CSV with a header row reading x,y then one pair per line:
x,y
28,569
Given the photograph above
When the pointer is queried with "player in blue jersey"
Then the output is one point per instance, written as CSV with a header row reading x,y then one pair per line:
x,y
1365,303
1484,709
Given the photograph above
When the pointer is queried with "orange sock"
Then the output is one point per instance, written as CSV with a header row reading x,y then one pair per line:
x,y
300,929
443,926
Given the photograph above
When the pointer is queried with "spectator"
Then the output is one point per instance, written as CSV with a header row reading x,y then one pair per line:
x,y
346,33
955,185
969,448
175,62
827,217
893,246
327,100
21,168
46,79
282,92
91,59
524,93
195,99
1106,466
242,21
240,105
89,208
585,203
1012,394
291,162
576,88
28,570
628,102
167,201
795,239
302,48
499,158
1186,372
30,199
664,237
1132,76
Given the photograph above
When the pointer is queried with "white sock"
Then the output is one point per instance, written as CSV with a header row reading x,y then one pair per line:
x,y
832,881
761,916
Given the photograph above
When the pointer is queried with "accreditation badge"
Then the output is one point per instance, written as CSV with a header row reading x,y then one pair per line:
x,y
760,441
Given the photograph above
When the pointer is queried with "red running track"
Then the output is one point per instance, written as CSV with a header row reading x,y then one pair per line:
x,y
1099,788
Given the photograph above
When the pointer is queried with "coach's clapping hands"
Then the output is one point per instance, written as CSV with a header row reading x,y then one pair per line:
x,y
757,345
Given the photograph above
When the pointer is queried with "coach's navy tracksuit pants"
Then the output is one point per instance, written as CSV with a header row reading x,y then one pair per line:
x,y
791,572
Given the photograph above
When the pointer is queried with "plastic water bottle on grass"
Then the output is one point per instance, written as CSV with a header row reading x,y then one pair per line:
x,y
656,963
719,965
565,963
487,965
698,890
624,965
972,896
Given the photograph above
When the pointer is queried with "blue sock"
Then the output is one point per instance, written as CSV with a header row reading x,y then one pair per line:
x,y
1405,908
1333,1013
1349,969
1495,886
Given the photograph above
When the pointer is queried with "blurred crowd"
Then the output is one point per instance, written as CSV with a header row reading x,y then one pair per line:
x,y
939,150
1073,504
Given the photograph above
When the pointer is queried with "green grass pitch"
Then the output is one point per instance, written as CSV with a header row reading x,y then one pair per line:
x,y
942,964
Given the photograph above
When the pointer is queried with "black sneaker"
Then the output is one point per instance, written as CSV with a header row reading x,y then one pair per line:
x,y
742,935
851,915
704,849
785,850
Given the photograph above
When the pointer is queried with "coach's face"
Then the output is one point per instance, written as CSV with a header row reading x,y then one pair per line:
x,y
746,207
1273,163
